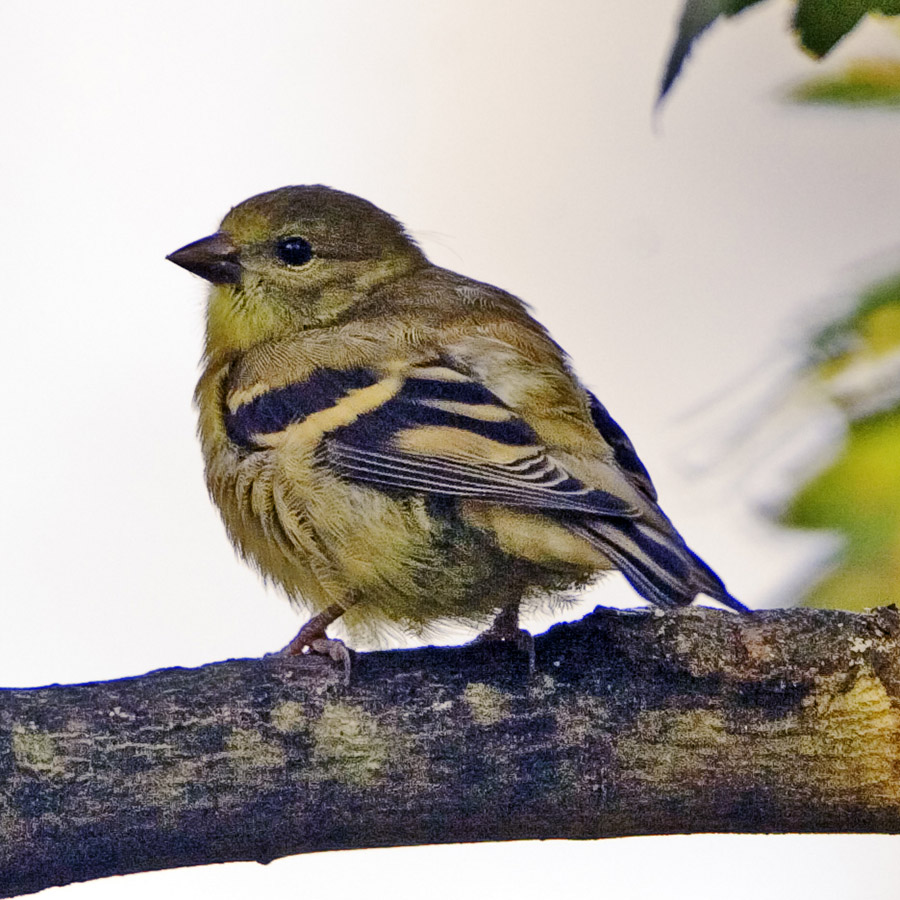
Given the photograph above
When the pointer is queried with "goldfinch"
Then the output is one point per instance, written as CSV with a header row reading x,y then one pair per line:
x,y
399,445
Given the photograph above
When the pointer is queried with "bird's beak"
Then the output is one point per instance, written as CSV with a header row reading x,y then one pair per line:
x,y
214,258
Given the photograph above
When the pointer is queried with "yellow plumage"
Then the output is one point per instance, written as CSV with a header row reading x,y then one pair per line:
x,y
402,445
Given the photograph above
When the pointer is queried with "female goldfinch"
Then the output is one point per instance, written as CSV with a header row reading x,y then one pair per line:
x,y
399,445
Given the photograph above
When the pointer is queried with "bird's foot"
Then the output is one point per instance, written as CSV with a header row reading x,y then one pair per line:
x,y
312,639
506,630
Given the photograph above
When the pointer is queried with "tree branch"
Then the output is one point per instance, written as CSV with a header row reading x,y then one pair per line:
x,y
634,723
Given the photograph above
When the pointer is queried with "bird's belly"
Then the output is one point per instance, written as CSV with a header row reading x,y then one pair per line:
x,y
395,561
326,540
535,537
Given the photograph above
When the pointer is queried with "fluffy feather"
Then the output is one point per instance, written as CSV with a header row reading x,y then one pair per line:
x,y
401,443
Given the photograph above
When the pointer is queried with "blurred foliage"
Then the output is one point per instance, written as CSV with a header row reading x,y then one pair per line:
x,y
857,361
696,17
870,329
819,25
873,82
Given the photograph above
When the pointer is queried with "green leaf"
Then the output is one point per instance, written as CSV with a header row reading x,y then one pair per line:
x,y
873,325
820,24
696,17
858,496
862,83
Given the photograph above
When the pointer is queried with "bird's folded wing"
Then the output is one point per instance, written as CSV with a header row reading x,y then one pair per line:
x,y
432,430
625,454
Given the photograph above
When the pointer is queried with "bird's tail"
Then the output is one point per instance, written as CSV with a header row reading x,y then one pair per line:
x,y
658,564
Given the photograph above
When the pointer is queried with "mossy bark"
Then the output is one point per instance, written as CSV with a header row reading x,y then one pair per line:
x,y
634,723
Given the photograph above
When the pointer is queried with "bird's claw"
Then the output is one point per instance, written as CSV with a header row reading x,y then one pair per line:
x,y
522,640
324,646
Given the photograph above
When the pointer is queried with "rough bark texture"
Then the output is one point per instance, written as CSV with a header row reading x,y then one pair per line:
x,y
634,723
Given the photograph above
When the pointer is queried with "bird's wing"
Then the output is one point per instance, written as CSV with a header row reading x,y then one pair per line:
x,y
623,450
437,431
431,429
444,433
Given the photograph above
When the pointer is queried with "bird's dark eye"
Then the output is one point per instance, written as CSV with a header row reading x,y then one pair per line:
x,y
294,251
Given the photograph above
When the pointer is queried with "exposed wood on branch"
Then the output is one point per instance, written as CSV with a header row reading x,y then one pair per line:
x,y
635,723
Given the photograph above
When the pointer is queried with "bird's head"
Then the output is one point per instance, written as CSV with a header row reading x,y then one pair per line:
x,y
295,258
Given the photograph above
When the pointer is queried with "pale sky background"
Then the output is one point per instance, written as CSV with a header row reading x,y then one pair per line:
x,y
672,256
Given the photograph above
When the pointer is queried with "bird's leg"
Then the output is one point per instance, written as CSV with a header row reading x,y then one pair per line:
x,y
311,638
506,628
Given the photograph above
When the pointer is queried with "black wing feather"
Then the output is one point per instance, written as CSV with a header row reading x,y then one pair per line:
x,y
625,454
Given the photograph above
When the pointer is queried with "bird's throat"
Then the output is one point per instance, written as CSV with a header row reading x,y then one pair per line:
x,y
236,321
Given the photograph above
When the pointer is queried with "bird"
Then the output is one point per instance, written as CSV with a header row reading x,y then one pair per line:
x,y
399,446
